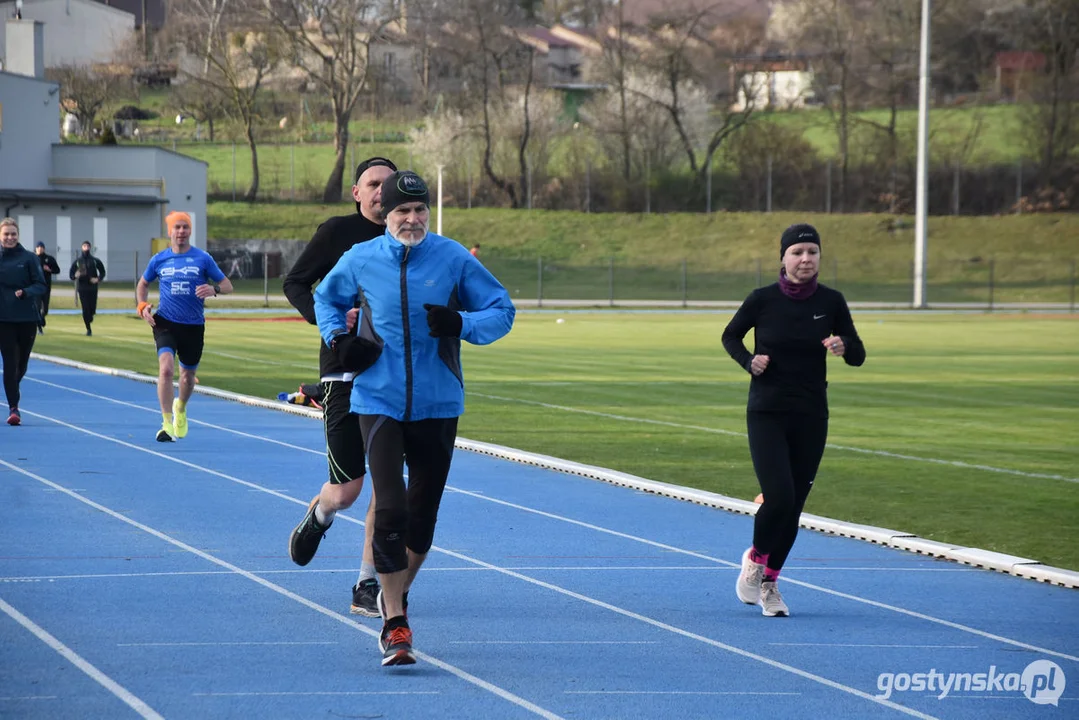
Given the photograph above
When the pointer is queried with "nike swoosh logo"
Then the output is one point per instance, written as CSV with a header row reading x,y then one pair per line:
x,y
818,317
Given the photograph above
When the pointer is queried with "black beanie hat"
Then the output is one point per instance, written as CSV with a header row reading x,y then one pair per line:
x,y
800,233
370,163
402,187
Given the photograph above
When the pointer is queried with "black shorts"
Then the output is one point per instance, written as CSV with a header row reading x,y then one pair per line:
x,y
184,340
344,440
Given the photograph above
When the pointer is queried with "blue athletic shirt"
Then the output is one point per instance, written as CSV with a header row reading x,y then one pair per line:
x,y
178,275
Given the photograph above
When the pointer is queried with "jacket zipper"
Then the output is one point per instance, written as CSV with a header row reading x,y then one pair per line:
x,y
408,335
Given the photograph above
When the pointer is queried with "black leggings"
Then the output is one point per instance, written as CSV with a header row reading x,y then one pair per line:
x,y
786,449
405,516
88,300
16,342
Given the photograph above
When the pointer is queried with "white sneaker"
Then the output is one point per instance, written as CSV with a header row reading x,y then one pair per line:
x,y
771,601
748,585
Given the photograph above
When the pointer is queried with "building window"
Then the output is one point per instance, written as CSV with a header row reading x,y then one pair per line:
x,y
389,65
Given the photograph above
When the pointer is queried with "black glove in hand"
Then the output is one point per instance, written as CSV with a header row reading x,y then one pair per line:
x,y
442,321
356,354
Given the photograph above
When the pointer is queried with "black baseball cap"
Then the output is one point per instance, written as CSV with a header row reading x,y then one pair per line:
x,y
370,163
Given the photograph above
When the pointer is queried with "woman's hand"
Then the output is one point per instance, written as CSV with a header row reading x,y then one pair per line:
x,y
834,345
758,364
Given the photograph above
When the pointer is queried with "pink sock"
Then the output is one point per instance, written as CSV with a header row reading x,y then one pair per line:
x,y
760,559
770,575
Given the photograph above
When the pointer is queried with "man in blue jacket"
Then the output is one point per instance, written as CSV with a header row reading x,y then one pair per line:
x,y
419,295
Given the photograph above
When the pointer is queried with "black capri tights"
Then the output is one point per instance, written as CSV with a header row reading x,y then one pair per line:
x,y
16,344
786,449
405,516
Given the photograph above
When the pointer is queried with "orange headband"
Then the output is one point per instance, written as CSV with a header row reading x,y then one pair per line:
x,y
175,216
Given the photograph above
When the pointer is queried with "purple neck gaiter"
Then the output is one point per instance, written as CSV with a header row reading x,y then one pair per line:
x,y
797,291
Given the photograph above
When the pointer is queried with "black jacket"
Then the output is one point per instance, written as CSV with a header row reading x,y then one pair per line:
x,y
20,270
790,332
48,262
89,267
330,241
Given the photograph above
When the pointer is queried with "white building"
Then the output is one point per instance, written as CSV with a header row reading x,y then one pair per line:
x,y
115,196
775,89
77,32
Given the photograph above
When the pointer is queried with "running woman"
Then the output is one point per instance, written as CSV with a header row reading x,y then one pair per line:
x,y
797,322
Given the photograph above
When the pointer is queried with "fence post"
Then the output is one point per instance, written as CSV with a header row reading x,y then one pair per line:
x,y
265,279
955,189
136,269
470,183
539,282
610,281
768,198
1019,188
233,172
1071,301
708,185
685,283
992,263
647,183
292,172
588,186
828,187
528,186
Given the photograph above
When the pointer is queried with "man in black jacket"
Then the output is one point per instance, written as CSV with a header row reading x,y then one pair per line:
x,y
344,442
87,271
49,268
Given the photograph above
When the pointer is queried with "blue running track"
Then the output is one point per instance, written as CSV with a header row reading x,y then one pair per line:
x,y
153,580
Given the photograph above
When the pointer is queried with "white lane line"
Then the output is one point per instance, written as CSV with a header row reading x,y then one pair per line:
x,y
674,692
77,660
313,368
870,645
223,644
801,583
554,642
191,421
467,677
732,433
426,569
464,558
317,693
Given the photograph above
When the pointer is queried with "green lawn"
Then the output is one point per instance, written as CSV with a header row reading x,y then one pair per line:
x,y
984,407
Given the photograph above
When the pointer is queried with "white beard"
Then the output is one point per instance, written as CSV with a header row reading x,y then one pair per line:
x,y
410,243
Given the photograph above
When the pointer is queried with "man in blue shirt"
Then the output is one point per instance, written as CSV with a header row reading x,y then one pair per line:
x,y
419,295
184,274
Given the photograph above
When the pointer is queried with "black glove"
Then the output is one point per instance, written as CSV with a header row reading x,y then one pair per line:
x,y
442,321
356,354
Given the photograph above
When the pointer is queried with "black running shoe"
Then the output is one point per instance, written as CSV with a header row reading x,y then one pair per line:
x,y
365,598
396,645
303,543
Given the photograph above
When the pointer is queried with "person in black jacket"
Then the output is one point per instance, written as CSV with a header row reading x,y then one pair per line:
x,y
49,268
344,441
797,322
21,285
87,271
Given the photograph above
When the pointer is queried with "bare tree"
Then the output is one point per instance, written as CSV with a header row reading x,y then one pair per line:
x,y
201,101
330,45
680,57
85,91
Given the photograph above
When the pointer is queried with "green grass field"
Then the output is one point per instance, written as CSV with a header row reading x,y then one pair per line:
x,y
983,407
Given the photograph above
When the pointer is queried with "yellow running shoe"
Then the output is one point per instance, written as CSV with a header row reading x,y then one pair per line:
x,y
179,417
167,433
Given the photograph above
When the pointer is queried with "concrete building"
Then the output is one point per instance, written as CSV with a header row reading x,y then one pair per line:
x,y
115,196
77,32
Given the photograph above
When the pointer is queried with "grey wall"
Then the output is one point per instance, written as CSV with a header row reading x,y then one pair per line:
x,y
77,32
137,170
30,125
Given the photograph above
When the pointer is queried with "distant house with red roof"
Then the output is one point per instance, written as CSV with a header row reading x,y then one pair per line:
x,y
1012,70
